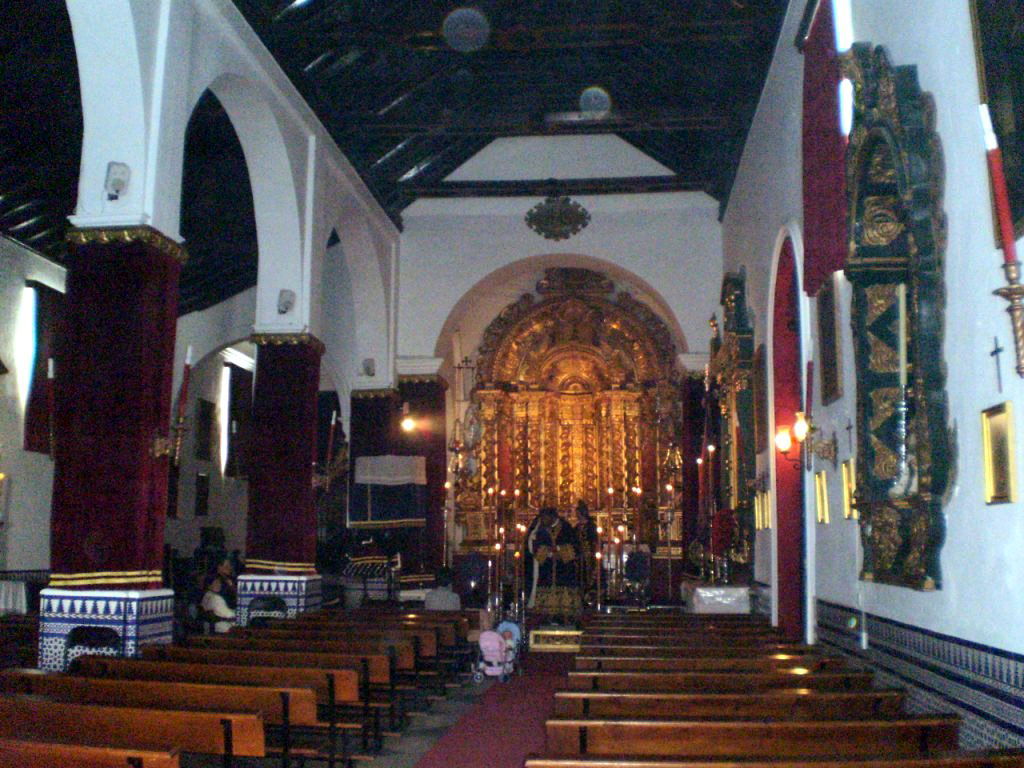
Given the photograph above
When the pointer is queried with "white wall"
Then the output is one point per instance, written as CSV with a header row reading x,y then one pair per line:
x,y
669,243
765,204
229,496
983,571
26,495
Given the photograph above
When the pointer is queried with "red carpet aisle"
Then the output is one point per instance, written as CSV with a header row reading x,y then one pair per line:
x,y
508,723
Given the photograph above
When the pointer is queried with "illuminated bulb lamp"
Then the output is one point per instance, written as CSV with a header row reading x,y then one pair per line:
x,y
801,427
447,485
408,423
699,461
669,488
783,440
711,448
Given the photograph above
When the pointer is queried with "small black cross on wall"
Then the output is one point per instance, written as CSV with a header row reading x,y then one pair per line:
x,y
996,351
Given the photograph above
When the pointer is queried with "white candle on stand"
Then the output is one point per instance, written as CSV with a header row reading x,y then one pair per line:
x,y
188,355
901,300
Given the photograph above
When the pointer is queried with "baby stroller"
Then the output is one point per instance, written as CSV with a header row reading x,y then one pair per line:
x,y
499,650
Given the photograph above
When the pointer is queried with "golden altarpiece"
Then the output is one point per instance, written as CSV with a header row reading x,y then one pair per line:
x,y
576,398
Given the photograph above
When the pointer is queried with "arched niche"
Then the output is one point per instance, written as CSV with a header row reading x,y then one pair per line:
x,y
576,398
897,230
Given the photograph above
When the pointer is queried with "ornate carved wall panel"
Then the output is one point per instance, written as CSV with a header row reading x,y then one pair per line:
x,y
905,451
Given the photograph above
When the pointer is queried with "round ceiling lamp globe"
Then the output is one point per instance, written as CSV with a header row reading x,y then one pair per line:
x,y
466,29
595,102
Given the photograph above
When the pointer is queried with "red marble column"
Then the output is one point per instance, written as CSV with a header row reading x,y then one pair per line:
x,y
112,409
281,535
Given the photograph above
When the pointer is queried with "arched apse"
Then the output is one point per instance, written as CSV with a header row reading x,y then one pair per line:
x,y
275,203
790,582
218,220
467,320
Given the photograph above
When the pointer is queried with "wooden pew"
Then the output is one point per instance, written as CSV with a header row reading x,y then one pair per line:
x,y
693,651
232,734
701,630
689,663
791,703
752,738
24,753
332,686
716,682
403,651
336,690
986,759
424,639
693,639
375,670
447,635
288,710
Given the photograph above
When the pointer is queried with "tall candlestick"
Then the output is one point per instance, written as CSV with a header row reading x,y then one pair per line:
x,y
330,439
179,422
51,401
901,300
999,191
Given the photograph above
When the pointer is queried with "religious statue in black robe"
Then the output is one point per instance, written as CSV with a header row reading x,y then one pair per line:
x,y
552,552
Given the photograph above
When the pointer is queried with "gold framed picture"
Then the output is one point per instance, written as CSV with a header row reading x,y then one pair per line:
x,y
821,495
998,447
849,490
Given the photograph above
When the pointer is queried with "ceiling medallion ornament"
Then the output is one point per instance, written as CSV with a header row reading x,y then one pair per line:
x,y
557,218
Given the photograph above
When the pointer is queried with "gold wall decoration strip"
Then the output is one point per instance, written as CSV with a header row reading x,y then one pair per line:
x,y
287,339
154,238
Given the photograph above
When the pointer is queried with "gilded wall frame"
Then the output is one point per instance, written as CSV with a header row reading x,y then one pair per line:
x,y
906,457
999,448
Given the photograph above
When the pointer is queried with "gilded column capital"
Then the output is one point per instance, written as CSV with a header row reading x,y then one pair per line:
x,y
154,238
287,339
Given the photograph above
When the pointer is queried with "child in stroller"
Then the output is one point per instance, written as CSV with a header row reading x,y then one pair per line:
x,y
499,650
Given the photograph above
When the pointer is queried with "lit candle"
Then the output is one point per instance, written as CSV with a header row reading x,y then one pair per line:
x,y
901,300
999,192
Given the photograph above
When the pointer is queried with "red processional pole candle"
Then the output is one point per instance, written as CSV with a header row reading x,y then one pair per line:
x,y
1002,197
1014,291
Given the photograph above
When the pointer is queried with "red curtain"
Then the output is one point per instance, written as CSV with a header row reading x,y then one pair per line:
x,y
38,410
113,398
824,155
788,475
281,534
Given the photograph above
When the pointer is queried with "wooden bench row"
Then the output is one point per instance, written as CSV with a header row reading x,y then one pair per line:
x,y
214,698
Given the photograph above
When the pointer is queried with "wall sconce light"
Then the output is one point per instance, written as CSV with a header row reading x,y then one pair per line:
x,y
803,433
784,444
408,423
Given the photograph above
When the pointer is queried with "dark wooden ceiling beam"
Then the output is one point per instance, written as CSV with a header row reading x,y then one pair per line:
x,y
525,125
546,187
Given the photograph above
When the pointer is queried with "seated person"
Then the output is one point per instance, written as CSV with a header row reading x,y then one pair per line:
x,y
218,586
441,597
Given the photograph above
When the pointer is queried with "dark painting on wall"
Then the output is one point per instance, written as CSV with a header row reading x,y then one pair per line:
x,y
205,411
828,344
999,44
202,507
